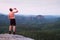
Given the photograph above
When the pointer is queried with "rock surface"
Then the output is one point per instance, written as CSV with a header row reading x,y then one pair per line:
x,y
13,37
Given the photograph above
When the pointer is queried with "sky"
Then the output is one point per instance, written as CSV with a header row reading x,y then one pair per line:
x,y
31,7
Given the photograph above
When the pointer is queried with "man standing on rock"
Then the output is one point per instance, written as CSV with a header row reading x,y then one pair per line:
x,y
12,20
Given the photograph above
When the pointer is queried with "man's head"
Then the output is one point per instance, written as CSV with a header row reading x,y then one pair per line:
x,y
11,9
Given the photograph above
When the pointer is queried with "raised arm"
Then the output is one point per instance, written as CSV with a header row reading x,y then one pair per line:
x,y
15,10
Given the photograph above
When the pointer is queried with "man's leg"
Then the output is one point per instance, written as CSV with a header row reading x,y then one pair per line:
x,y
14,26
10,29
14,29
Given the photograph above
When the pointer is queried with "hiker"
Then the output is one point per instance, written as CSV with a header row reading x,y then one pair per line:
x,y
12,20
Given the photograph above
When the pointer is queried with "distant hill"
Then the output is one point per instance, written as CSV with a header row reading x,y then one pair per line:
x,y
3,19
38,19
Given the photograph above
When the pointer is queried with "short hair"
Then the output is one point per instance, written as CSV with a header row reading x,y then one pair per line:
x,y
10,9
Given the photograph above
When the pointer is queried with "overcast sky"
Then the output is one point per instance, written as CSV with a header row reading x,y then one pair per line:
x,y
31,7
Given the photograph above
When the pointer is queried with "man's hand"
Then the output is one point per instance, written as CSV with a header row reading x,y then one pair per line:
x,y
15,10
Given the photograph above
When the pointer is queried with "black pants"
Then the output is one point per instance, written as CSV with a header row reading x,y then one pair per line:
x,y
12,22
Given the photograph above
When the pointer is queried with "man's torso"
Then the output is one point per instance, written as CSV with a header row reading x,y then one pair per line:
x,y
11,15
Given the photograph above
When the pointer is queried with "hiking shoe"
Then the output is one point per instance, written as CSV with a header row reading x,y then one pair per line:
x,y
14,33
9,32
